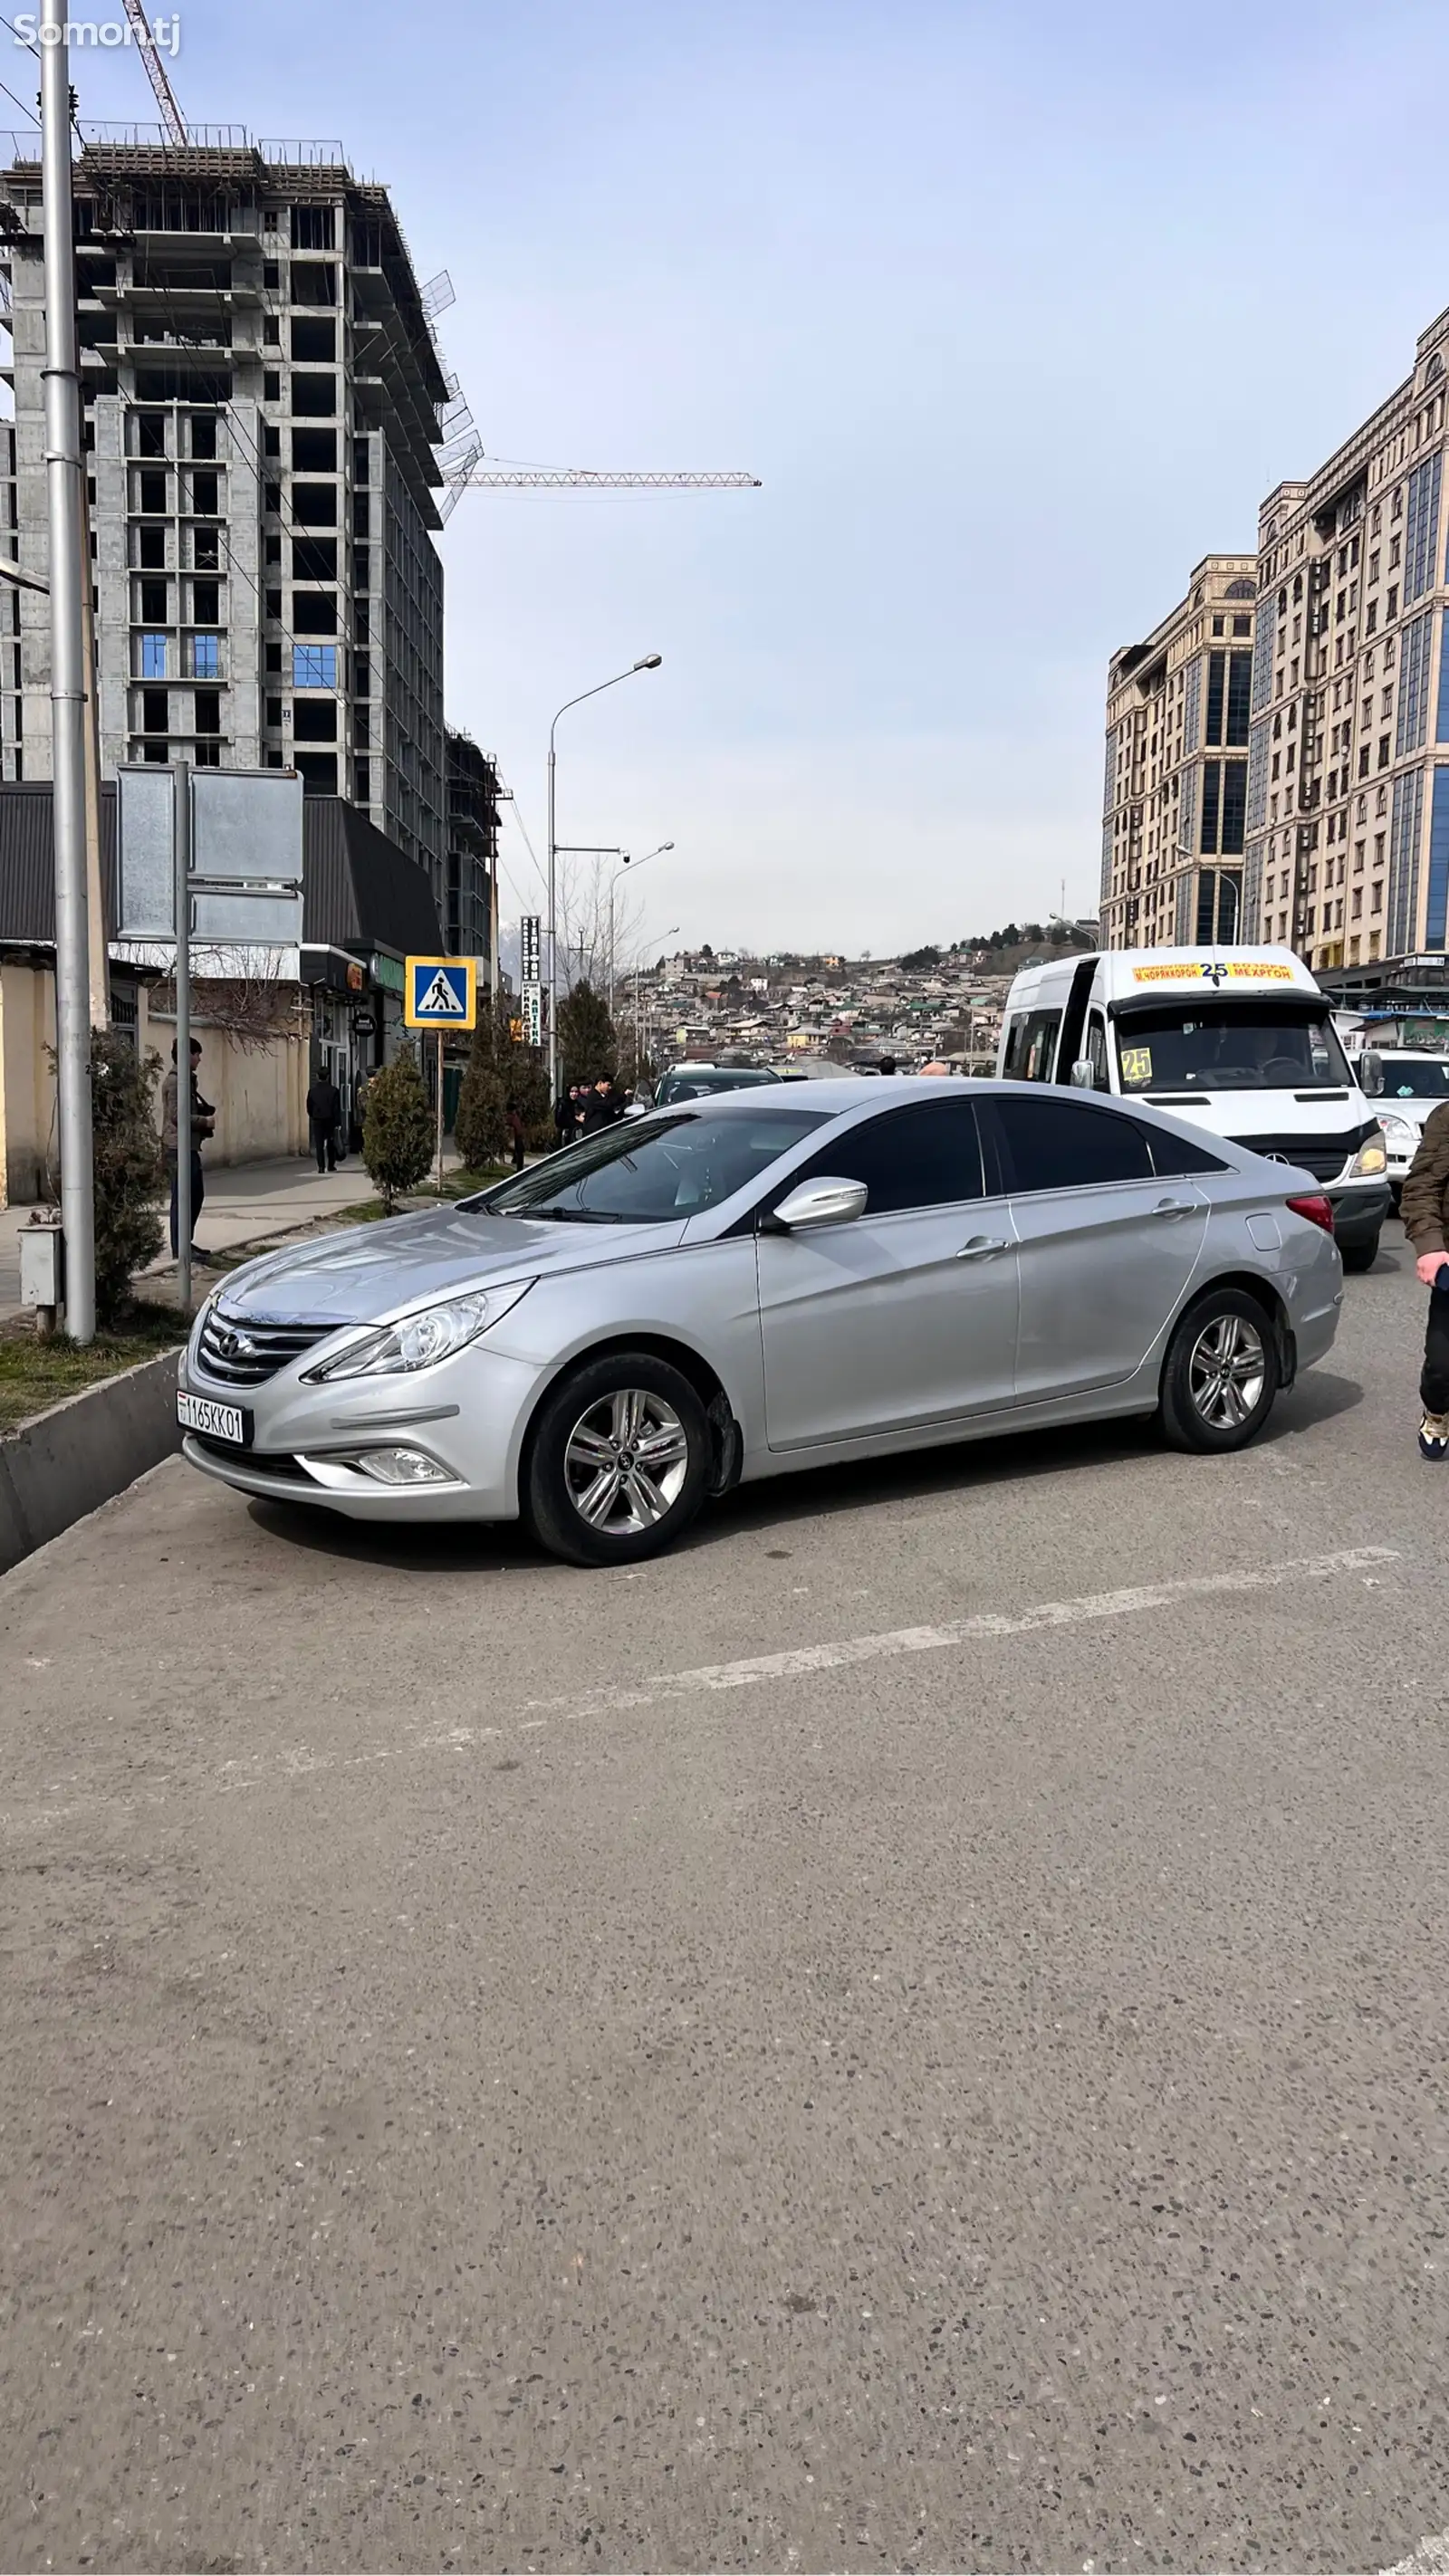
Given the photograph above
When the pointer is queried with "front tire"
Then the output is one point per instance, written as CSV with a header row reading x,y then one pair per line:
x,y
619,1461
1221,1373
1360,1256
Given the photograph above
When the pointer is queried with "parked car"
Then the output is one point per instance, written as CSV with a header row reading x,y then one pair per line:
x,y
735,1287
703,1081
1405,1088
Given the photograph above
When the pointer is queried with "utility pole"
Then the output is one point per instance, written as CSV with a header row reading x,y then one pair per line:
x,y
185,1212
69,566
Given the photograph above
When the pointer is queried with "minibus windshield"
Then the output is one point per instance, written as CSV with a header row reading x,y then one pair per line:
x,y
1229,1046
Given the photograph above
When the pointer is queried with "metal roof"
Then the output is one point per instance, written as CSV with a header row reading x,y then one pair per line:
x,y
360,891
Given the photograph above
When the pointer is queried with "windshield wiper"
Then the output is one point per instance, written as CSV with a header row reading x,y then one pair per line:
x,y
568,1216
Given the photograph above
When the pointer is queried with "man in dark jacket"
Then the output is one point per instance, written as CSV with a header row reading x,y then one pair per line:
x,y
602,1106
1424,1208
203,1124
324,1117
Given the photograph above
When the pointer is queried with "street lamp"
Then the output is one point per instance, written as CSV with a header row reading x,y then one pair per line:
x,y
626,862
646,662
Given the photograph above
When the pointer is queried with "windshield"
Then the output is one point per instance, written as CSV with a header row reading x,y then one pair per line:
x,y
1229,1046
698,1086
652,1170
1415,1077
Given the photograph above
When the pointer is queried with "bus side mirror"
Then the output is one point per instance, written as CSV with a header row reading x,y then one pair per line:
x,y
1371,1066
1084,1074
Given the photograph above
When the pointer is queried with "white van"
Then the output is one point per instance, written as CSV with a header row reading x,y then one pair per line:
x,y
1239,1040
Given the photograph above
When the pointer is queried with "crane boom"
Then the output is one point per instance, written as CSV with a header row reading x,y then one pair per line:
x,y
487,478
165,95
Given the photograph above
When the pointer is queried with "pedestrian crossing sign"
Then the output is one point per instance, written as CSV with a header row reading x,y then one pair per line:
x,y
441,992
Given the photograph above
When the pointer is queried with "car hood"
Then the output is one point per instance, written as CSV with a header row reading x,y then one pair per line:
x,y
374,1270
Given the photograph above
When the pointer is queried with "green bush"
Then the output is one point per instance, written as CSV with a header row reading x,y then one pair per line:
x,y
481,1130
126,1158
397,1128
587,1045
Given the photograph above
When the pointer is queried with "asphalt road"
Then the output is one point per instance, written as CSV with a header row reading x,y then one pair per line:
x,y
912,2033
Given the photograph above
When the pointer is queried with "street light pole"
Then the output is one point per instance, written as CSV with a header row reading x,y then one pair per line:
x,y
69,566
646,662
626,862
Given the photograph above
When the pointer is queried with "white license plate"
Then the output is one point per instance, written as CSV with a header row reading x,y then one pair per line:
x,y
217,1421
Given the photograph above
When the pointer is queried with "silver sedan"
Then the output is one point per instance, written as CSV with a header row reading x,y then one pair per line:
x,y
769,1280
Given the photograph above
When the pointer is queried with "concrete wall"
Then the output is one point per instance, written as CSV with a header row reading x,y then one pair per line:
x,y
260,1091
27,1080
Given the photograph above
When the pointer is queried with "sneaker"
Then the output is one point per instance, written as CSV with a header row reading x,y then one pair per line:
x,y
1434,1437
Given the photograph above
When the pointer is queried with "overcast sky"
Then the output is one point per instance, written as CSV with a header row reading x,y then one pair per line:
x,y
1015,311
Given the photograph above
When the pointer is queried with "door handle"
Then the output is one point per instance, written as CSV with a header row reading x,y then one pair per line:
x,y
982,1246
1175,1207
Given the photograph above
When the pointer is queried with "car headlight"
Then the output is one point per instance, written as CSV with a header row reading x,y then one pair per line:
x,y
1370,1157
1399,1131
419,1341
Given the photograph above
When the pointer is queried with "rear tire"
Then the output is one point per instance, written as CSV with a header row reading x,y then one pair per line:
x,y
1360,1256
1221,1373
618,1462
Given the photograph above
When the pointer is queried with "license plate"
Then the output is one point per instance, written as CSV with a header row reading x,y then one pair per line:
x,y
218,1421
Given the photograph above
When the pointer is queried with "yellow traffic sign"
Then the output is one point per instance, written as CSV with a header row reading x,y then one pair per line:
x,y
441,993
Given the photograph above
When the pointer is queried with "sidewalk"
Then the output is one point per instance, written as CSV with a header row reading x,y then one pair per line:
x,y
243,1200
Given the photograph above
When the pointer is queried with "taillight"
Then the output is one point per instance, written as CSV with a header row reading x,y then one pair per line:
x,y
1318,1211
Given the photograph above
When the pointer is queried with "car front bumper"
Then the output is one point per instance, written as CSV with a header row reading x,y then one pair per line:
x,y
469,1416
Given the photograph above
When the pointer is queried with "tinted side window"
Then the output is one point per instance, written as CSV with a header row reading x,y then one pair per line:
x,y
1015,1035
911,1158
1058,1145
1173,1156
1097,1052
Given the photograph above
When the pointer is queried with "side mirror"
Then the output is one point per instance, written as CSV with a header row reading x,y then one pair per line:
x,y
818,1202
1084,1074
1371,1070
636,1109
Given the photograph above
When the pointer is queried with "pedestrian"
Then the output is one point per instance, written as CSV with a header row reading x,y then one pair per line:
x,y
566,1114
203,1124
324,1118
518,1134
1424,1207
602,1105
887,1064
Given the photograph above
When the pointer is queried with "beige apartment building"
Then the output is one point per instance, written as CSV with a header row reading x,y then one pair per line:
x,y
1175,798
1348,791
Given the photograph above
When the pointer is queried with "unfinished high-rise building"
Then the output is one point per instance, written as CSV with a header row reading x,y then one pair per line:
x,y
262,397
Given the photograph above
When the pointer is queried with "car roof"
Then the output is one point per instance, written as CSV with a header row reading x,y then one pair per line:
x,y
875,1090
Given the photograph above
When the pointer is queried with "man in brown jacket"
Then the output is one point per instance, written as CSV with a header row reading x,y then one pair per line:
x,y
1425,1211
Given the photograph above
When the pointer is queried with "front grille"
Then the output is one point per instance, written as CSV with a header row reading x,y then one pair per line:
x,y
234,1351
1323,1156
262,1462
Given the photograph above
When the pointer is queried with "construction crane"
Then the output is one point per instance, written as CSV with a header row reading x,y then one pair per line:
x,y
578,478
462,460
165,95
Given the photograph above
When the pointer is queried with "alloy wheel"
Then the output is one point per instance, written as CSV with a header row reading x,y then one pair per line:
x,y
625,1461
1227,1371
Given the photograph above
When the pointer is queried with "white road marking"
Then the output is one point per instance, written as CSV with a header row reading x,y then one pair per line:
x,y
959,1632
298,1761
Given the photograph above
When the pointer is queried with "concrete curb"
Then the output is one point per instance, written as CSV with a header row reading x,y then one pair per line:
x,y
70,1460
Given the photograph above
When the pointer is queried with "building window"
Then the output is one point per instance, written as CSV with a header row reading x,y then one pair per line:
x,y
314,397
1242,626
153,657
206,603
206,657
155,711
314,228
1217,626
362,781
1211,801
314,666
1422,527
208,711
274,712
271,385
153,491
274,659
